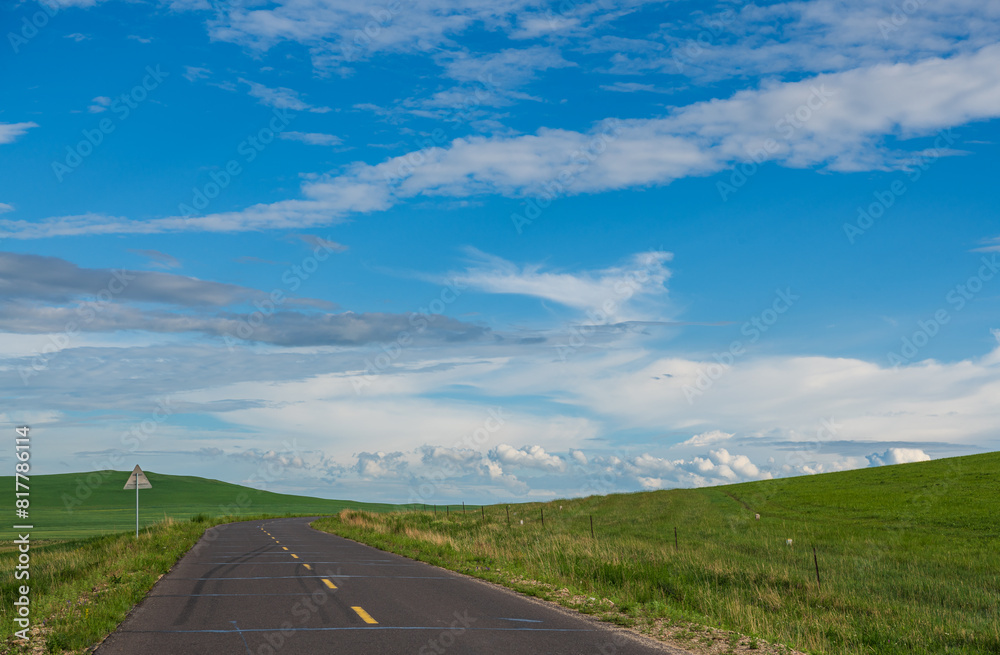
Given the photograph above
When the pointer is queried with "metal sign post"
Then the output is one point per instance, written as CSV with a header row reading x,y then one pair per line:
x,y
137,481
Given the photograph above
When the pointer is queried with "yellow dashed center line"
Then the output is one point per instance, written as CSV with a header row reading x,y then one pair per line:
x,y
284,548
365,616
295,556
308,568
329,584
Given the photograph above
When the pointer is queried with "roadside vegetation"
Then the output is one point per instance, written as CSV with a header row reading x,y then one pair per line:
x,y
907,558
81,590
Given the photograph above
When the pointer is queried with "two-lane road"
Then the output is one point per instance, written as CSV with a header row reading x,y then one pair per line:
x,y
279,586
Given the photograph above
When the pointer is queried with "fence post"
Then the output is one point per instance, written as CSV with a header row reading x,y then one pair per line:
x,y
591,526
484,511
816,562
542,510
463,507
675,537
508,516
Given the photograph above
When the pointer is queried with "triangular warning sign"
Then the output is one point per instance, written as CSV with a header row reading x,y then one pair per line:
x,y
137,477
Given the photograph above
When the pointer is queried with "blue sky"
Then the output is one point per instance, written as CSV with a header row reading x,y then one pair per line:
x,y
432,251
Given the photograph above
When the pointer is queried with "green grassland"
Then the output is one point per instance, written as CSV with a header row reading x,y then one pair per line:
x,y
77,505
908,556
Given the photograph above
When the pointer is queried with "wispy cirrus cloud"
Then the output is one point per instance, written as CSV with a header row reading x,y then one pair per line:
x,y
9,132
643,275
281,98
837,122
312,138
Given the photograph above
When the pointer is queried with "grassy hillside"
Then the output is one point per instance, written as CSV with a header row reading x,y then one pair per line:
x,y
907,554
75,505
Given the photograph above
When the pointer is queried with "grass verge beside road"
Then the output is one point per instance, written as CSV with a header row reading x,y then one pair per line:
x,y
907,556
81,590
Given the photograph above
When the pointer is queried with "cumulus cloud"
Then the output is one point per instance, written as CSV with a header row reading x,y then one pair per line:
x,y
380,465
527,457
898,456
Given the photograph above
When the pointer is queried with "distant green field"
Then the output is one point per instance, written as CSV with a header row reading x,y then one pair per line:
x,y
76,505
908,555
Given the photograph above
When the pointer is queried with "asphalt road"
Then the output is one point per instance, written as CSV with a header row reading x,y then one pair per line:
x,y
279,586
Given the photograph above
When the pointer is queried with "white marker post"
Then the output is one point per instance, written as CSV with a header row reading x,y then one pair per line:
x,y
137,481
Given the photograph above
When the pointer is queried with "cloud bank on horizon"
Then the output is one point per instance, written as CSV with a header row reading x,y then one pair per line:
x,y
487,251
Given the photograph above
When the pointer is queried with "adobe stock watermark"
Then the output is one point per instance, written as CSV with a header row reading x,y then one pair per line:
x,y
249,149
694,48
957,297
30,25
754,328
86,311
581,160
786,127
122,106
446,638
419,321
292,278
460,112
366,36
900,16
886,198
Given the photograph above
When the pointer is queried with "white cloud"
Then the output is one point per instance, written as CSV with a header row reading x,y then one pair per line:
x,y
508,69
706,438
632,87
100,103
5,208
192,73
835,121
645,274
380,465
898,456
281,98
578,456
9,132
312,138
527,457
77,36
740,465
819,36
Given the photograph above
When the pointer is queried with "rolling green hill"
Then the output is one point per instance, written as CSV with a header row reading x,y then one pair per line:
x,y
908,556
76,505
